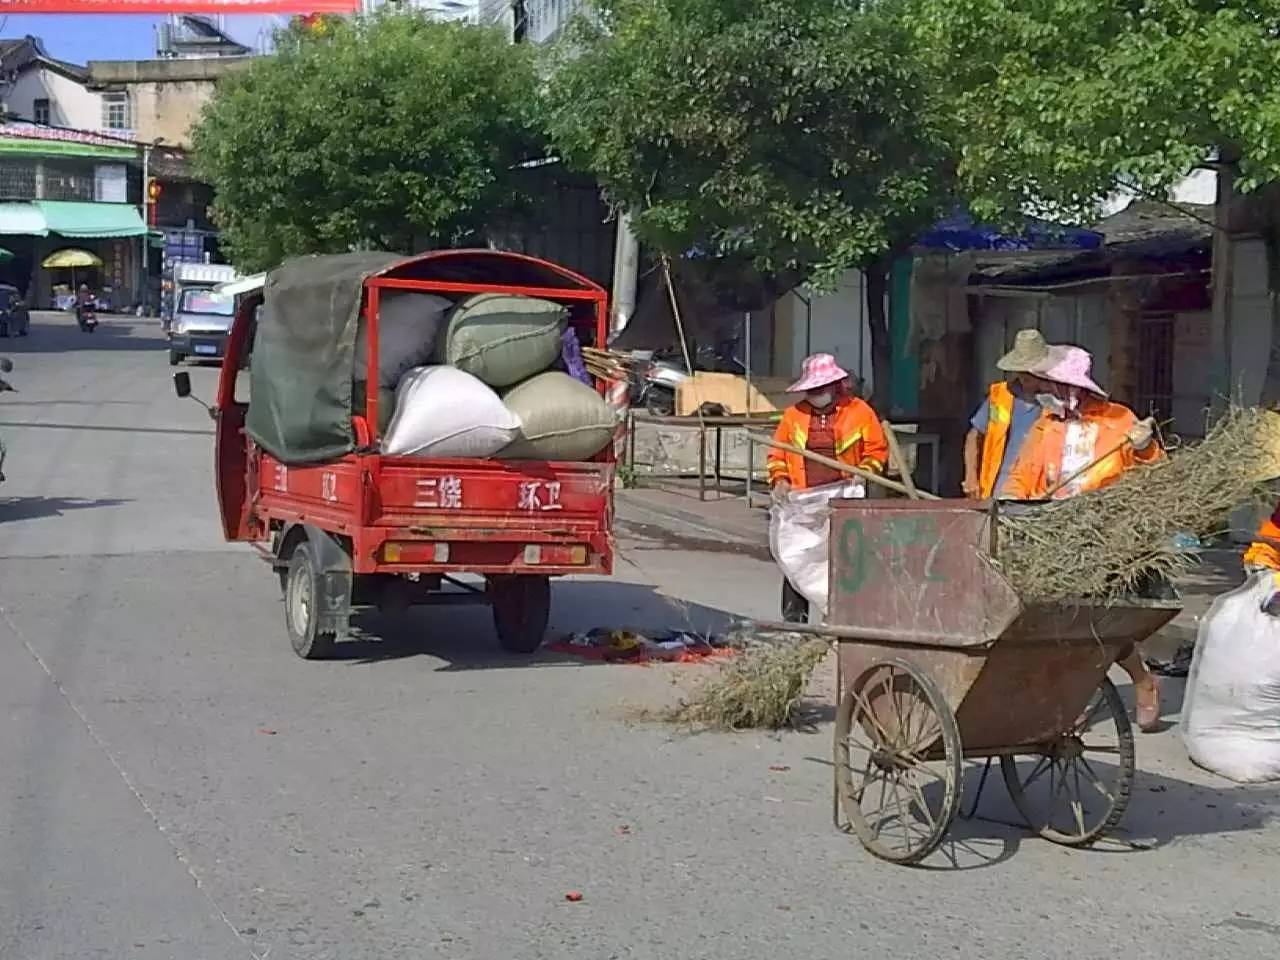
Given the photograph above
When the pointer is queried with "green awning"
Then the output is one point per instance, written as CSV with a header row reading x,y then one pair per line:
x,y
22,220
69,218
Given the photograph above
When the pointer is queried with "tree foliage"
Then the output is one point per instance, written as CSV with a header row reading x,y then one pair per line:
x,y
393,132
1060,101
792,133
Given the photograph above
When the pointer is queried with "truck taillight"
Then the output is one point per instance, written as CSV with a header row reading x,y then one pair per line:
x,y
552,555
415,552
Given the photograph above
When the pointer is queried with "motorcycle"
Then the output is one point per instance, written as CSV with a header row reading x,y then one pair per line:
x,y
87,317
6,365
659,373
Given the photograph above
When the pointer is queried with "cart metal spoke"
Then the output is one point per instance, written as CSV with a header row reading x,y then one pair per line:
x,y
1083,800
919,793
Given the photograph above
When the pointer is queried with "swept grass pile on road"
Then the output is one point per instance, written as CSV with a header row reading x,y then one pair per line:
x,y
1103,546
761,688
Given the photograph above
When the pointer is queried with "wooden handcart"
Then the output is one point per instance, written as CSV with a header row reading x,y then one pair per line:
x,y
940,661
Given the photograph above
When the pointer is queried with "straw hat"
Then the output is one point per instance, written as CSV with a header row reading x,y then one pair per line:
x,y
819,370
1072,366
1030,349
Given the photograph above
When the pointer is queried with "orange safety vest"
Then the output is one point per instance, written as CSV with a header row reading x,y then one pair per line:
x,y
996,437
1262,552
860,440
1039,466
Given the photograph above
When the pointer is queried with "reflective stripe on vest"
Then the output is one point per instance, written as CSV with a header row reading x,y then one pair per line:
x,y
844,445
994,441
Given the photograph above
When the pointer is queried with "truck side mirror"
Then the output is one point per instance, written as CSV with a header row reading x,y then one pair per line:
x,y
182,384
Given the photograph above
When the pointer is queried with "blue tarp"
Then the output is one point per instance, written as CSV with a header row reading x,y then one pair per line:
x,y
961,233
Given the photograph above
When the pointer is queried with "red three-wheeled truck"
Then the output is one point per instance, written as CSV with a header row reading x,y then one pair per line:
x,y
300,472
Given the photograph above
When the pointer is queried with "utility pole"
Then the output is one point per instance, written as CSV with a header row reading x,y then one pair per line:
x,y
1220,330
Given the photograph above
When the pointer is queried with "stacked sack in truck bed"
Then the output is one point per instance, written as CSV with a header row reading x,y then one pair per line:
x,y
481,378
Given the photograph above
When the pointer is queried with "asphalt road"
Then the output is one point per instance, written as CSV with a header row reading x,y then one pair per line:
x,y
177,784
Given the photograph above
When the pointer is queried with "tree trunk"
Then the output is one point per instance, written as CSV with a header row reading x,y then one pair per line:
x,y
877,275
1271,385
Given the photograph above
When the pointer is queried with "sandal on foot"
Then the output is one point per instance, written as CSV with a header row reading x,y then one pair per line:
x,y
1147,713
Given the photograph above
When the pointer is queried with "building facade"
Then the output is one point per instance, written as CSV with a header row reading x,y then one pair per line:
x,y
62,189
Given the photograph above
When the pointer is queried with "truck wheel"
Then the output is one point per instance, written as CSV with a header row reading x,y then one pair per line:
x,y
521,609
175,357
302,592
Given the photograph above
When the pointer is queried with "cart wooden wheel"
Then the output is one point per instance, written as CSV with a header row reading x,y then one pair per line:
x,y
897,761
1077,787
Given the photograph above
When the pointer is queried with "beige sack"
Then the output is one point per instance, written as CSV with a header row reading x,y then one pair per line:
x,y
562,419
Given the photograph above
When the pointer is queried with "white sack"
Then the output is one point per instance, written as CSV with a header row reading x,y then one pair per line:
x,y
799,529
443,412
1231,712
408,327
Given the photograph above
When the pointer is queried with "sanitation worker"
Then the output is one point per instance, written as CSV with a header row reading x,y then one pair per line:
x,y
1264,552
1006,416
834,423
1085,442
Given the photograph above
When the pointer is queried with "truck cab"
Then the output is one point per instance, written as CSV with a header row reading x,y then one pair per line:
x,y
202,314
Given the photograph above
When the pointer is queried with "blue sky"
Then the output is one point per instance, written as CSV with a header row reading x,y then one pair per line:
x,y
83,37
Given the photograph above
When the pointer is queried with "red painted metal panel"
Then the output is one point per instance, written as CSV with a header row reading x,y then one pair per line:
x,y
918,571
179,6
448,501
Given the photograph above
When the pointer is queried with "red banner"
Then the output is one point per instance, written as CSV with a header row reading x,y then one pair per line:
x,y
179,6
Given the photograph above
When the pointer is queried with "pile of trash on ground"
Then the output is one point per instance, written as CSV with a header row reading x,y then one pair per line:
x,y
493,375
634,646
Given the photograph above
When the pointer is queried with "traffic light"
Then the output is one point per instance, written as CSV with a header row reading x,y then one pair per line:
x,y
154,190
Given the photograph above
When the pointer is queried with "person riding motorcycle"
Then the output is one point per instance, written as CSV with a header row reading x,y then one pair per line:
x,y
85,302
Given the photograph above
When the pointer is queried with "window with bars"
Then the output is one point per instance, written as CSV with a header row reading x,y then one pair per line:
x,y
115,111
1155,366
41,112
64,180
17,180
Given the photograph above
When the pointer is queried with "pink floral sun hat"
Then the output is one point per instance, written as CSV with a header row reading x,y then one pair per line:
x,y
1071,366
819,370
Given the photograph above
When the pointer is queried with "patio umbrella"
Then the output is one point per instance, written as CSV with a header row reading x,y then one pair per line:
x,y
70,258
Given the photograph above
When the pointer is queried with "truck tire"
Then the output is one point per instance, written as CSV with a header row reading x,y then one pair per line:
x,y
521,609
175,357
302,592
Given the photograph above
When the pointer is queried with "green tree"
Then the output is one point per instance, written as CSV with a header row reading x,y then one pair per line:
x,y
1059,102
796,136
393,132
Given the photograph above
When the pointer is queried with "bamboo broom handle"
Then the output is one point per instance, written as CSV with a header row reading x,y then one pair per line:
x,y
1086,468
895,454
842,467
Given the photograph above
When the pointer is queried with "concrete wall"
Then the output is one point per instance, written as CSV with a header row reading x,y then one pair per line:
x,y
165,96
1084,320
168,111
71,104
1252,306
834,323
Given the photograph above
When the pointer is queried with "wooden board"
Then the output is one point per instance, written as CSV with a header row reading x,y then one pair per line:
x,y
768,394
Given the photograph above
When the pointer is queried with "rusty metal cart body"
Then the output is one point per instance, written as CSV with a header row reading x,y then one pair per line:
x,y
941,661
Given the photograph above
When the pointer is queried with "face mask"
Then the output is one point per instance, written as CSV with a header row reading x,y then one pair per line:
x,y
822,400
1055,405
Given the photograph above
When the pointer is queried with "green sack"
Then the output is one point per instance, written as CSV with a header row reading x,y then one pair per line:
x,y
504,339
562,419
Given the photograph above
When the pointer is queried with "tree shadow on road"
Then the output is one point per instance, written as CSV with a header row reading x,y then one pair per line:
x,y
464,636
34,508
112,334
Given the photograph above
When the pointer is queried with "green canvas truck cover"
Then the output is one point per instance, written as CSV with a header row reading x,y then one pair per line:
x,y
301,376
